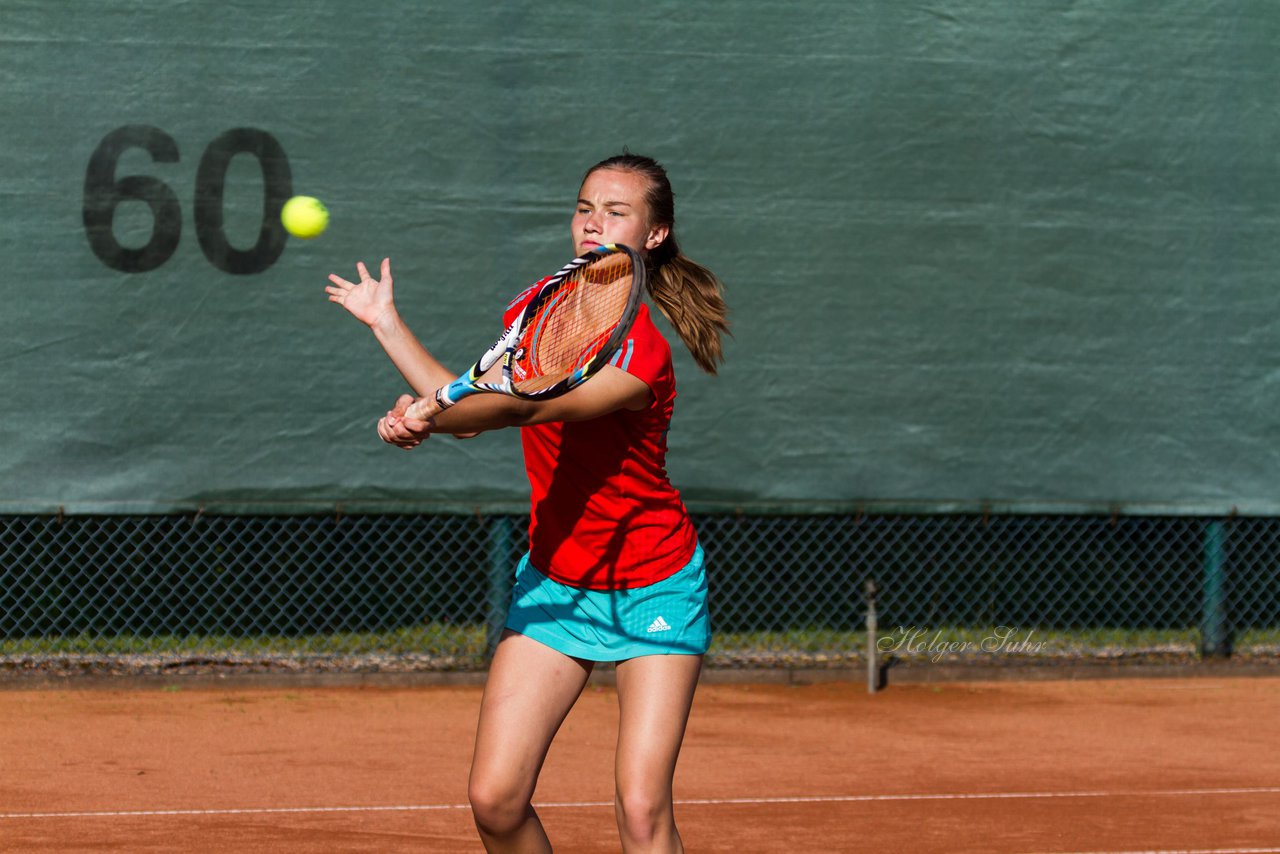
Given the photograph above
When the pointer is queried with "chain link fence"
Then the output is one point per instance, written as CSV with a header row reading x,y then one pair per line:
x,y
392,592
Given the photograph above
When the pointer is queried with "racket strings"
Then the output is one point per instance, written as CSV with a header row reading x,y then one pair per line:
x,y
574,324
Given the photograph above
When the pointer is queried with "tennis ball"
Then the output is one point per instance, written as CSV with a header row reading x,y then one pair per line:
x,y
304,217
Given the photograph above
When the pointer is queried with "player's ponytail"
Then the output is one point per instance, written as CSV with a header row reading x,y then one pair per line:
x,y
691,297
687,293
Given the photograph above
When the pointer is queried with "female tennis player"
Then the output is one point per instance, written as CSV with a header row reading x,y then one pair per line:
x,y
614,571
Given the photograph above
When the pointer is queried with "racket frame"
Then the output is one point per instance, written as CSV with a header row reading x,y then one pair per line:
x,y
506,346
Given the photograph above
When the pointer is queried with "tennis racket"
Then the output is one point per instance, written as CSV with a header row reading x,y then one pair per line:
x,y
570,330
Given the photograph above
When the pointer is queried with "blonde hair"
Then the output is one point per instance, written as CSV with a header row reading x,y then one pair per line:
x,y
689,295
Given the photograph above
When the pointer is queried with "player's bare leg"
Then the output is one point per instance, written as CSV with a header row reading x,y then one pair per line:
x,y
655,693
529,692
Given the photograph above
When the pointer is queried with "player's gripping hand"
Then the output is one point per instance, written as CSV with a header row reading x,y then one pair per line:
x,y
397,429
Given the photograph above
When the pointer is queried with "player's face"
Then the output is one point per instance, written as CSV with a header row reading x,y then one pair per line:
x,y
611,209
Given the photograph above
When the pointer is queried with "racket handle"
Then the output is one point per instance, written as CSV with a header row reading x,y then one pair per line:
x,y
450,394
444,397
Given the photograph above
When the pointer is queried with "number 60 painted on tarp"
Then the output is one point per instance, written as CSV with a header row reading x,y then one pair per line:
x,y
103,193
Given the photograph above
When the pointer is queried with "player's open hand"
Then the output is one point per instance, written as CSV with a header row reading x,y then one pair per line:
x,y
396,428
369,300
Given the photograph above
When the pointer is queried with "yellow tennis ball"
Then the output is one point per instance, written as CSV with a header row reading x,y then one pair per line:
x,y
304,217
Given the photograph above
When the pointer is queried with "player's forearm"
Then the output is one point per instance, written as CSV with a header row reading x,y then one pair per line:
x,y
421,370
482,412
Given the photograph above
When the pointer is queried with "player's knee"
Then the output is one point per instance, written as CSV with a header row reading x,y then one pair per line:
x,y
643,815
498,809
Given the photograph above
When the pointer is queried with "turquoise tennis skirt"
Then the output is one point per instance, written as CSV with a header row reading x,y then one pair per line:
x,y
668,617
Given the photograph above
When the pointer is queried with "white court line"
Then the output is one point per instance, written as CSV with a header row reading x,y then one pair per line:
x,y
816,799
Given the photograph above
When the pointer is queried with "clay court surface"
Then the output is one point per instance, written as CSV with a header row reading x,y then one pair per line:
x,y
1111,765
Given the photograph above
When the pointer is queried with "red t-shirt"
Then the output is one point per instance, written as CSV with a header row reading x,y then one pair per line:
x,y
604,514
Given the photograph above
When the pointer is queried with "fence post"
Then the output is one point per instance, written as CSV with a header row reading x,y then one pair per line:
x,y
873,664
1215,640
500,579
